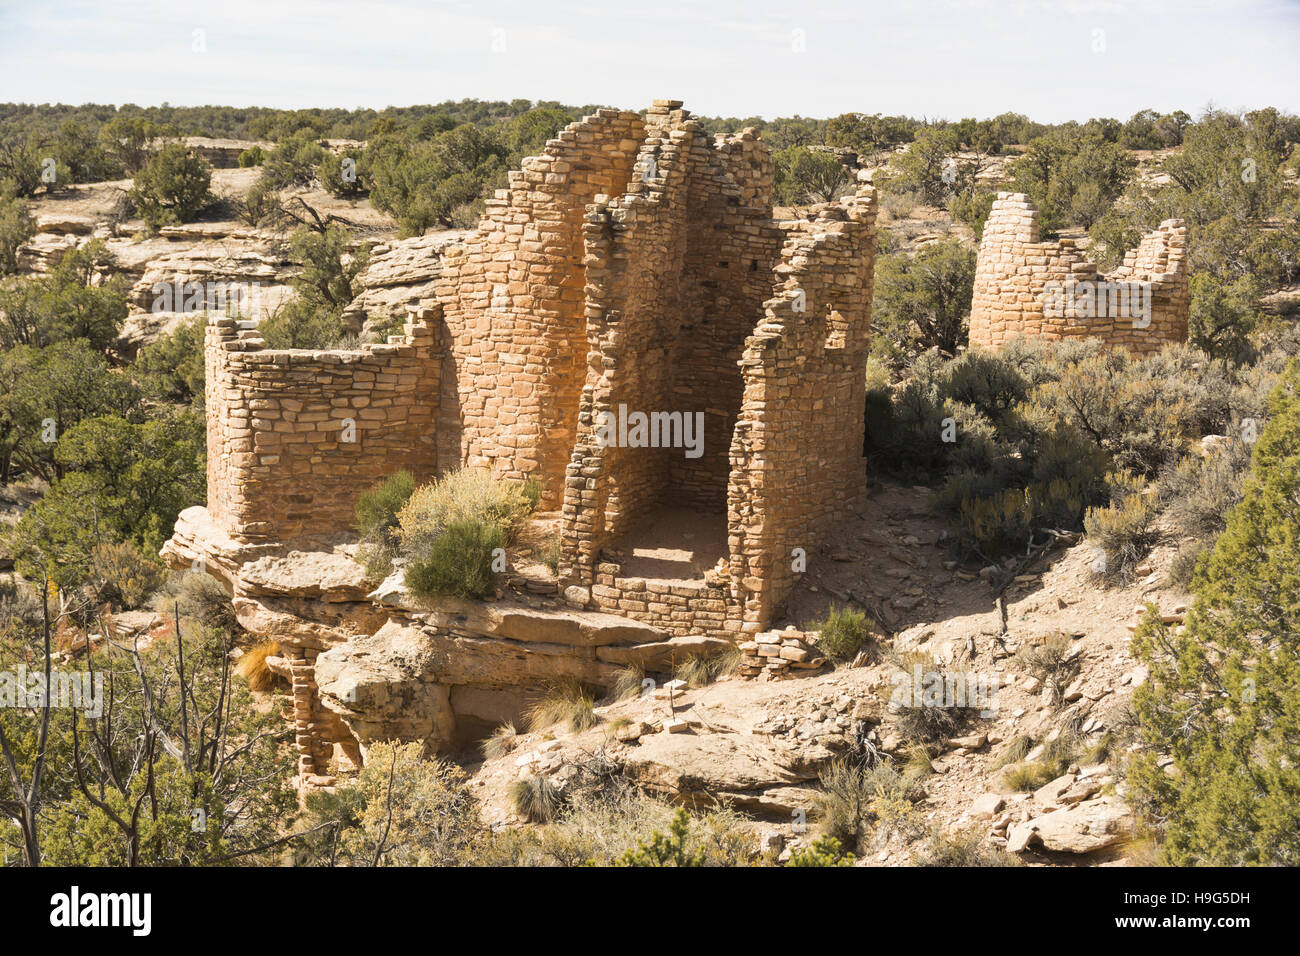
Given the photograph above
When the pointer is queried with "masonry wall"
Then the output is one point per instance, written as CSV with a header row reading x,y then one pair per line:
x,y
789,406
281,466
513,307
681,609
797,452
1015,271
732,245
633,267
677,269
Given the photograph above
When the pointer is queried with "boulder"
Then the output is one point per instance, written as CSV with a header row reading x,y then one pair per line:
x,y
382,688
1085,828
986,806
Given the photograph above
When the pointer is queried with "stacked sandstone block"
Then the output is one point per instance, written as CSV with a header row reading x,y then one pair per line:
x,y
762,328
634,263
294,436
776,654
679,608
678,262
316,728
513,299
1022,284
796,453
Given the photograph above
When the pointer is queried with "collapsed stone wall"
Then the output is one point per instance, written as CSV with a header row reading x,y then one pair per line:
x,y
680,271
294,436
513,307
676,271
1050,290
797,451
635,263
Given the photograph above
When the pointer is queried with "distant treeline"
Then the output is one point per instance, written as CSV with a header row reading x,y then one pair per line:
x,y
861,131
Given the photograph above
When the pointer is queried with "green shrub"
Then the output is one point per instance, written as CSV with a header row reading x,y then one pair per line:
x,y
325,284
170,368
126,576
1183,566
825,851
69,302
253,156
666,850
1224,689
973,208
459,562
843,633
377,511
1143,413
804,175
1122,533
121,481
1198,492
16,227
173,188
599,825
922,299
464,494
453,530
293,162
340,175
401,810
261,205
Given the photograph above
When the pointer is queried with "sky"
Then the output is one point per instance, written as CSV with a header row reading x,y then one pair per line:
x,y
1054,60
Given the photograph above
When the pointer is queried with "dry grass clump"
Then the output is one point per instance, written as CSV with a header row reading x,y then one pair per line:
x,y
568,703
535,799
253,668
629,682
857,802
502,741
701,669
960,848
454,531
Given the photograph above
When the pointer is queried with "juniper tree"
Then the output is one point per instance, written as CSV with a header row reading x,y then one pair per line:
x,y
1223,699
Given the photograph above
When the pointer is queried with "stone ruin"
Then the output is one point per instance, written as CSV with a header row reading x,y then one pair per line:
x,y
632,269
1050,290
